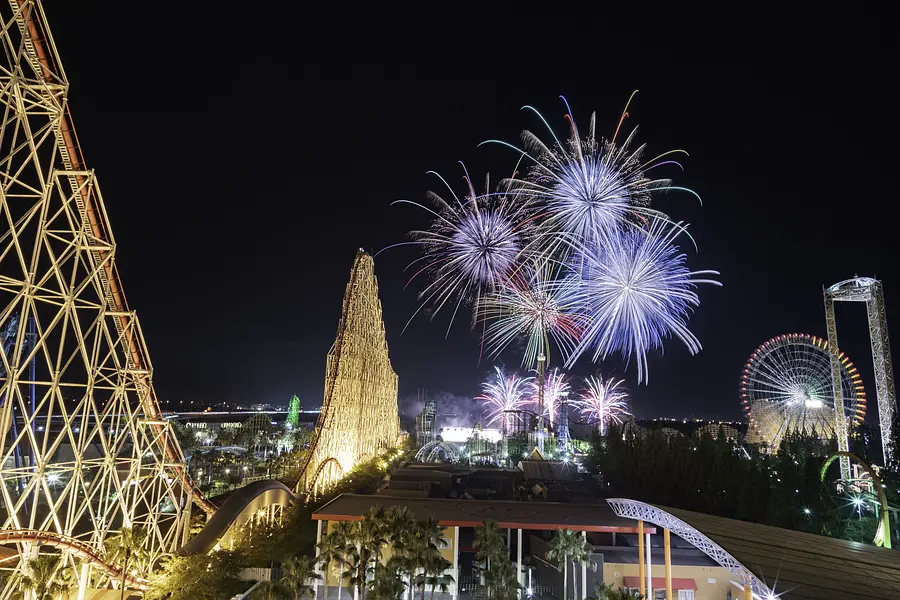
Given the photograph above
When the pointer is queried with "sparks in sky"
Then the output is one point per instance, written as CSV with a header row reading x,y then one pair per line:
x,y
536,303
471,248
556,386
502,393
637,291
604,401
589,188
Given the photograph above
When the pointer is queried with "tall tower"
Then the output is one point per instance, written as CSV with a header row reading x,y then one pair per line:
x,y
83,448
359,414
870,291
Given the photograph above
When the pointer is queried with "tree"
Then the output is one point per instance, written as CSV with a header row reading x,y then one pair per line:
x,y
44,577
605,591
502,580
562,546
331,550
386,584
434,573
298,572
489,542
581,554
401,530
126,547
204,577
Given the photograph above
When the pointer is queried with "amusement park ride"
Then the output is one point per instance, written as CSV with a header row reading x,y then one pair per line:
x,y
802,383
84,449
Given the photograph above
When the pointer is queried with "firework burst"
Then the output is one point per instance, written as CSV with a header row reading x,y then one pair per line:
x,y
556,386
502,393
604,402
637,292
536,303
472,247
588,189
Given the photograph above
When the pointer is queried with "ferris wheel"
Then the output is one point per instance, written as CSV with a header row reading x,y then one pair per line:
x,y
786,387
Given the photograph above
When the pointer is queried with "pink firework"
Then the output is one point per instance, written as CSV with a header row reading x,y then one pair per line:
x,y
556,387
604,402
503,393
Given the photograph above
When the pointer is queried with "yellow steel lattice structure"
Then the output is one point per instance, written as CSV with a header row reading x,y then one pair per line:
x,y
83,449
359,415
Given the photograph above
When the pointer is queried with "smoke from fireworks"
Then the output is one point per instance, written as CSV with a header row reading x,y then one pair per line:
x,y
604,402
636,292
537,304
555,387
502,393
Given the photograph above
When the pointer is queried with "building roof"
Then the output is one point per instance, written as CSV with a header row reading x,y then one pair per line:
x,y
470,513
546,470
789,565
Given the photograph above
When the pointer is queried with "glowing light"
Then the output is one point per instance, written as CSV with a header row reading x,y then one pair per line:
x,y
471,247
637,292
53,478
604,402
537,303
555,388
589,188
502,393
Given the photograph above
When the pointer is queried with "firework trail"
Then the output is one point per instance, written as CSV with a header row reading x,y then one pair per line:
x,y
604,402
536,303
555,387
637,292
472,246
502,393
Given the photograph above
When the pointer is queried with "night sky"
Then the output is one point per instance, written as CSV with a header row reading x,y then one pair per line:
x,y
241,179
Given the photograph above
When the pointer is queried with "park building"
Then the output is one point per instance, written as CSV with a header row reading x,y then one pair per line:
x,y
676,554
529,527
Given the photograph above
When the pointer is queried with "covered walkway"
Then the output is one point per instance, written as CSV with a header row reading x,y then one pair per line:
x,y
778,563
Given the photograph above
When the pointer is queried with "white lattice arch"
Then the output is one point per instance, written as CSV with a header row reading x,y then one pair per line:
x,y
640,511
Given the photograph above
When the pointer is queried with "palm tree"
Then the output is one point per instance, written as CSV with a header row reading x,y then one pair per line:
x,y
434,573
400,529
126,547
331,550
502,580
43,577
298,572
489,542
275,590
386,584
561,547
581,554
342,533
604,591
369,537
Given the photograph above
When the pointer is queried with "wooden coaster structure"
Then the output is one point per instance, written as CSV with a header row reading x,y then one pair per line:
x,y
359,417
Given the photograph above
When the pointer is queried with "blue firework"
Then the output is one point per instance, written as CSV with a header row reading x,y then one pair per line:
x,y
588,188
637,292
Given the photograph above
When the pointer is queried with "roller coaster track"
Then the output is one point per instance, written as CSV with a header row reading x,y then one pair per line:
x,y
69,544
43,56
234,513
329,390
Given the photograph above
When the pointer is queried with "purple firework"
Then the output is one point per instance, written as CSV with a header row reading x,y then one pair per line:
x,y
636,292
471,248
589,189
